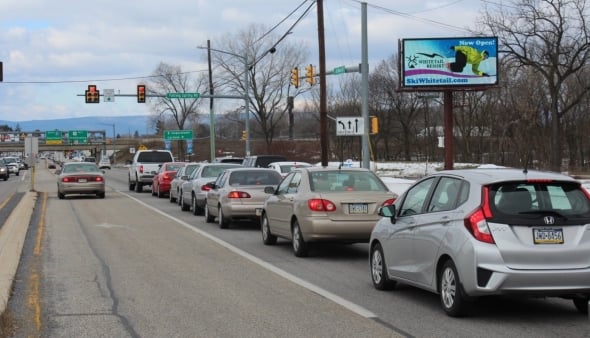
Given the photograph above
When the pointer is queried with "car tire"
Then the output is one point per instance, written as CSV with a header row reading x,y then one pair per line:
x,y
171,198
194,207
452,296
267,237
184,206
581,303
208,217
18,173
101,195
159,193
138,187
379,269
300,248
61,196
131,186
153,191
221,219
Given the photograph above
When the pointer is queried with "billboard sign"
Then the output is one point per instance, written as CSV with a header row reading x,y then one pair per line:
x,y
432,63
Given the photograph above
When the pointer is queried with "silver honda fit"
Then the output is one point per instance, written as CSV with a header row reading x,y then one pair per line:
x,y
477,232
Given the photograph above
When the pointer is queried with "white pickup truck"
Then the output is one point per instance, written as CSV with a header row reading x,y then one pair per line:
x,y
144,163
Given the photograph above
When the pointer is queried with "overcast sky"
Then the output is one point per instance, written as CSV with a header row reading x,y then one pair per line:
x,y
52,50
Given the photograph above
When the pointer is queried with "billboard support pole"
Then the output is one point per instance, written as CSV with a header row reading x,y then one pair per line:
x,y
448,132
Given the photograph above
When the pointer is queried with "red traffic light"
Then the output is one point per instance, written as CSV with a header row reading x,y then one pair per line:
x,y
140,93
92,94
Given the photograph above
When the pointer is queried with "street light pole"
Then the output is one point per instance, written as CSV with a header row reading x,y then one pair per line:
x,y
114,137
244,58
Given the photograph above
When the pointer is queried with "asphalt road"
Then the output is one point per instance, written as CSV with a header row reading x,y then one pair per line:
x,y
135,265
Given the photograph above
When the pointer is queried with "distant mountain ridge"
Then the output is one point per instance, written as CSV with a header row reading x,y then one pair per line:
x,y
124,125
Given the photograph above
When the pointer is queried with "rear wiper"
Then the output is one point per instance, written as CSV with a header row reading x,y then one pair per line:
x,y
545,212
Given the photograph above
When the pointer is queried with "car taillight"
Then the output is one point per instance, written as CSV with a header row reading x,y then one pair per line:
x,y
141,169
98,179
388,202
318,204
166,177
205,187
66,179
238,194
477,225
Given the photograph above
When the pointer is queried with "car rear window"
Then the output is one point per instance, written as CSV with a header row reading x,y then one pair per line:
x,y
154,157
341,180
566,199
254,178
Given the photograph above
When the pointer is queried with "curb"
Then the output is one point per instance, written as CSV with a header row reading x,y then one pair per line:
x,y
12,238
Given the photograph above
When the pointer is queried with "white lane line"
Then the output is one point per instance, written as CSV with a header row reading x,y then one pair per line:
x,y
312,287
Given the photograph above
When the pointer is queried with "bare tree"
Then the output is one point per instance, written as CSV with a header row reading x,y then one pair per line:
x,y
551,37
270,60
171,79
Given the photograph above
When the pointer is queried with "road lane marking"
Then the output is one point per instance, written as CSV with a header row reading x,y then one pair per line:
x,y
301,282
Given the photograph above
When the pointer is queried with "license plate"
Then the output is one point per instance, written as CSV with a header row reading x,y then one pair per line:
x,y
258,211
82,180
358,208
548,236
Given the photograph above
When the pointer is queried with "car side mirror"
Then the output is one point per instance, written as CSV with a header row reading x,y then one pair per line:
x,y
58,171
388,211
269,190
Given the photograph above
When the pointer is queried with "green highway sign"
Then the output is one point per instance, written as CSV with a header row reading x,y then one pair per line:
x,y
53,137
78,136
340,70
183,95
174,135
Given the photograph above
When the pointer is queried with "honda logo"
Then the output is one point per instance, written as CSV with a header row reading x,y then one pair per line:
x,y
549,220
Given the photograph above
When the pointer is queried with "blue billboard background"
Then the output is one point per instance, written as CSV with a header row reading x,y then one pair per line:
x,y
449,62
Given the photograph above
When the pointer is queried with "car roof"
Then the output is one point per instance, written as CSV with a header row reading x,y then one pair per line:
x,y
492,175
290,162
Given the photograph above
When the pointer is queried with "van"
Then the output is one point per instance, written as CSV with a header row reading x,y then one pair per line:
x,y
262,161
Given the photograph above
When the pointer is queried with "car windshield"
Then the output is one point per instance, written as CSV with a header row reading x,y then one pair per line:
x,y
532,198
340,180
154,157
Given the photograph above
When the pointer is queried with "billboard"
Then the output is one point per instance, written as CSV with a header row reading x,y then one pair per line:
x,y
437,63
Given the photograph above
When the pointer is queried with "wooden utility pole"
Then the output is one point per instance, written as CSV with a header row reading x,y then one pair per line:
x,y
324,140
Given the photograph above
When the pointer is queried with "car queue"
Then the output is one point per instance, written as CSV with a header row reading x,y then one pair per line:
x,y
462,234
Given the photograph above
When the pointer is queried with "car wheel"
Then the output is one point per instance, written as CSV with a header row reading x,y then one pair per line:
x,y
131,186
582,303
170,197
159,193
178,197
101,195
194,207
452,297
153,190
18,173
300,248
267,237
6,178
208,217
184,206
138,187
221,219
379,269
61,196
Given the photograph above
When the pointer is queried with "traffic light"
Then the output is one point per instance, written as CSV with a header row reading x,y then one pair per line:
x,y
374,125
244,135
295,77
309,75
92,94
140,93
1,71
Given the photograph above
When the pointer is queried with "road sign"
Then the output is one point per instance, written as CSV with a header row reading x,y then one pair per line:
x,y
350,126
109,95
174,135
339,70
53,137
78,136
183,95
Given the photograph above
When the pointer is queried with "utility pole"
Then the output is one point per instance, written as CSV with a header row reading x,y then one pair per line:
x,y
324,140
291,117
211,112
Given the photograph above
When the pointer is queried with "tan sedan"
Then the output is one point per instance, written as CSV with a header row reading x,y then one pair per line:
x,y
323,204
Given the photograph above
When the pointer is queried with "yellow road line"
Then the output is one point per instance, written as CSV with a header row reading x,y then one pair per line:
x,y
6,200
34,279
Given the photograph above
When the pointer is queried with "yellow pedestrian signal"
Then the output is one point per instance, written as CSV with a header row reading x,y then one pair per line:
x,y
374,125
295,77
244,135
92,94
140,93
309,75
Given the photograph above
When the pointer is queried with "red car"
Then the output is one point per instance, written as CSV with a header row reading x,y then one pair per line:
x,y
163,177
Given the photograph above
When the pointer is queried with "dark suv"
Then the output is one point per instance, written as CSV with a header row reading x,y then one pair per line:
x,y
262,161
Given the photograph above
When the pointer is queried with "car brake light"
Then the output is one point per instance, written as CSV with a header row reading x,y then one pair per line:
x,y
478,226
205,187
141,169
485,197
238,194
65,179
318,204
98,179
166,177
388,202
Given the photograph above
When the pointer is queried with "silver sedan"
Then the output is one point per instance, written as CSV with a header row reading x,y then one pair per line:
x,y
80,178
